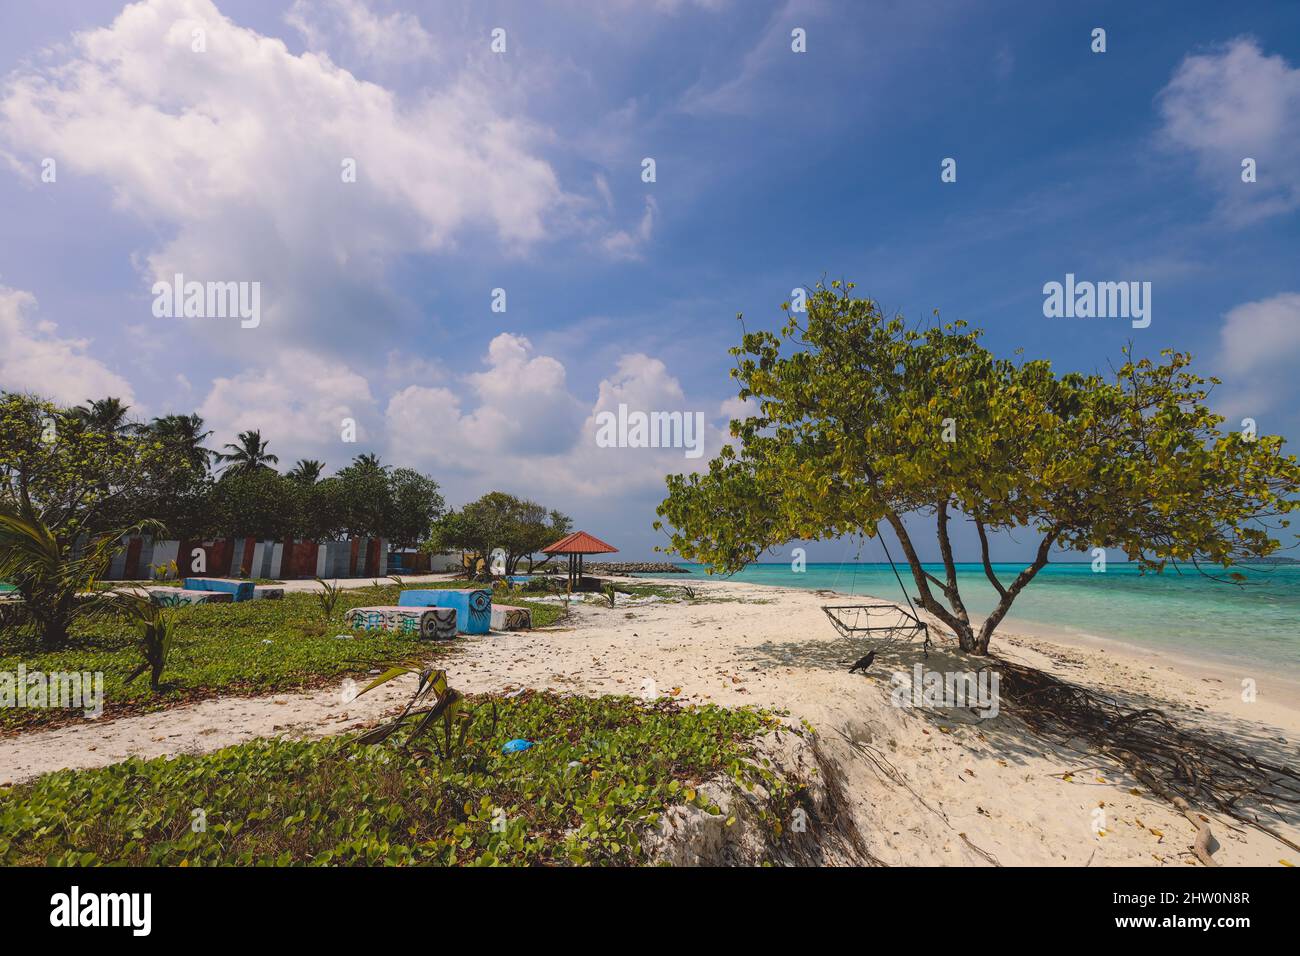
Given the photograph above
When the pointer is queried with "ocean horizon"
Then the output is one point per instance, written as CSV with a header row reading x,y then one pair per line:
x,y
1257,622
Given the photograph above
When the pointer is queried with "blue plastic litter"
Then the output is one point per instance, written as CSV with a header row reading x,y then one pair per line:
x,y
515,746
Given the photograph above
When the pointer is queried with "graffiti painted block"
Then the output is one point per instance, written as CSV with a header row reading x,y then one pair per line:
x,y
179,597
239,590
473,605
508,618
268,594
425,623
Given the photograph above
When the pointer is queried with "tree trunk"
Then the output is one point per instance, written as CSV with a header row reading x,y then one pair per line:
x,y
962,628
1008,596
968,640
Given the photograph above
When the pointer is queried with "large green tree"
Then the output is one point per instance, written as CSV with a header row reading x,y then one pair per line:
x,y
259,504
75,474
517,526
70,483
377,500
414,504
862,420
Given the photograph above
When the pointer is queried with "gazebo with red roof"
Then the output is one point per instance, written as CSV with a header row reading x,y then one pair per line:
x,y
575,546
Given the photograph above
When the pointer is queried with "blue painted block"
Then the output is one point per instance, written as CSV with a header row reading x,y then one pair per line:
x,y
473,605
239,590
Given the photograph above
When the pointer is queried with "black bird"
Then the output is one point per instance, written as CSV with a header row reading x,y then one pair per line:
x,y
863,662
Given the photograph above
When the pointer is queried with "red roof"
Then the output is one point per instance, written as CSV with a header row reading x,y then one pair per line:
x,y
579,543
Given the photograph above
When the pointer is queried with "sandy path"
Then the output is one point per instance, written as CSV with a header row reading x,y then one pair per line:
x,y
986,779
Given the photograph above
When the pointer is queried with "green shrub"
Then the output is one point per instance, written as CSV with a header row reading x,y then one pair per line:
x,y
600,772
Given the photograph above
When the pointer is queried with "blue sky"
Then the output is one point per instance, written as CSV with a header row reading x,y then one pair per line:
x,y
522,171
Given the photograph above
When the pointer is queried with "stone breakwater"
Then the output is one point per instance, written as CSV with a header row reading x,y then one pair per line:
x,y
633,567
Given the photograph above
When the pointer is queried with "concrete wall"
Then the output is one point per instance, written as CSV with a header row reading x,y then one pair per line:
x,y
247,557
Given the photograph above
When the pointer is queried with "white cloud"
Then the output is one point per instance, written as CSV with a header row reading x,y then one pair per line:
x,y
34,358
298,402
738,408
523,407
630,245
744,92
1260,349
642,383
524,403
353,28
529,434
1234,103
236,154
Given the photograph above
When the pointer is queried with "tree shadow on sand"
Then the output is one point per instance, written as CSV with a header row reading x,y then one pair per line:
x,y
1234,767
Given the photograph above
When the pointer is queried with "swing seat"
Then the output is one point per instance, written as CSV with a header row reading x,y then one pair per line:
x,y
892,623
885,622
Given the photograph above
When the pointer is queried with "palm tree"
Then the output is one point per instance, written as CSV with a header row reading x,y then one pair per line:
x,y
247,456
307,471
106,415
185,434
368,462
51,575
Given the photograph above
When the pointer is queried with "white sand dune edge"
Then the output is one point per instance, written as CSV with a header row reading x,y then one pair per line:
x,y
968,791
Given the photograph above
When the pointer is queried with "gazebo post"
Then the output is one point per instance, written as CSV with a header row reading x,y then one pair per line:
x,y
577,546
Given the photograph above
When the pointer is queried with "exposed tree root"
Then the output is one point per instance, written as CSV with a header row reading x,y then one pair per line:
x,y
1181,766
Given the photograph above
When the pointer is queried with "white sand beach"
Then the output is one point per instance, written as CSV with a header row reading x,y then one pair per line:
x,y
962,790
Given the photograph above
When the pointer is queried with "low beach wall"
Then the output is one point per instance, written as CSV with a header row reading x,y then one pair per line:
x,y
250,558
633,567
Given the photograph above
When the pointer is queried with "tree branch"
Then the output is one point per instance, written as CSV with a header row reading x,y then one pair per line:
x,y
984,554
950,568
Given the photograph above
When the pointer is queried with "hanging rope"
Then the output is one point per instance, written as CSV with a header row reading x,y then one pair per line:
x,y
908,624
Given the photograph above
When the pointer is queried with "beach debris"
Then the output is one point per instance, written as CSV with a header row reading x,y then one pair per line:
x,y
862,663
518,745
1175,763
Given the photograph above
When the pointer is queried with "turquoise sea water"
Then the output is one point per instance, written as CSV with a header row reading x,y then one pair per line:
x,y
1182,613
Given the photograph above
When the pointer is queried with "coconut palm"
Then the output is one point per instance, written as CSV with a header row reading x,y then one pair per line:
x,y
184,434
106,415
307,471
248,455
156,637
56,580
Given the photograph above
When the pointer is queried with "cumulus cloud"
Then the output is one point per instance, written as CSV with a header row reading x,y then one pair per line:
x,y
1232,103
1260,347
298,402
352,27
517,426
521,406
34,358
237,154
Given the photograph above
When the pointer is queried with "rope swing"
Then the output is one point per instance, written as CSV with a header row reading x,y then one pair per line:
x,y
855,620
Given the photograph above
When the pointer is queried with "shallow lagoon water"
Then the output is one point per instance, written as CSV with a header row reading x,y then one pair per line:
x,y
1180,613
